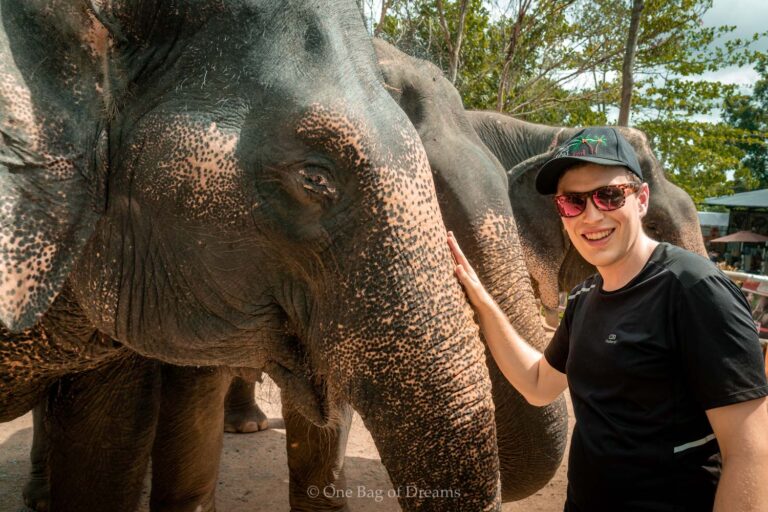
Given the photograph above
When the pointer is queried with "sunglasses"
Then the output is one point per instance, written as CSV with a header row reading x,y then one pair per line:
x,y
605,199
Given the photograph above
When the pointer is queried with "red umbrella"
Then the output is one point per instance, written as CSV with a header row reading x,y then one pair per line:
x,y
743,237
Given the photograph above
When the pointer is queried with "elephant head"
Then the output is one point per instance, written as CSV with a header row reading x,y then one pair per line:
x,y
229,182
554,265
472,191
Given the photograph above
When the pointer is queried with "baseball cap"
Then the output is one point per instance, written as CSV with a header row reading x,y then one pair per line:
x,y
598,145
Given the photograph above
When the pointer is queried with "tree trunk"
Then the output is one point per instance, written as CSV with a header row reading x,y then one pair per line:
x,y
384,7
627,80
516,28
454,47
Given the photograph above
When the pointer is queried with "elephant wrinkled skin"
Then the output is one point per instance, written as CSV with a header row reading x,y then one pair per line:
x,y
228,183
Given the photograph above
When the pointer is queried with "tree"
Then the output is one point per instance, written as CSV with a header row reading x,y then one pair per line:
x,y
749,114
573,62
698,155
453,41
627,69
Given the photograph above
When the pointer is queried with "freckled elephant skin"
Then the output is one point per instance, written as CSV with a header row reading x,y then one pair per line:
x,y
522,148
171,185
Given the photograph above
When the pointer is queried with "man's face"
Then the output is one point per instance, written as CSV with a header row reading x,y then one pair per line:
x,y
602,238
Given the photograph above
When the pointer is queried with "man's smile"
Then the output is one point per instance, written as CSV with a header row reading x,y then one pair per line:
x,y
594,236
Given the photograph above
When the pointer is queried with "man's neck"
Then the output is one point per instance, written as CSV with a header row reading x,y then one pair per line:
x,y
623,271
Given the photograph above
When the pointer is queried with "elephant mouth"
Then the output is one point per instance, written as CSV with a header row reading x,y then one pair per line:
x,y
303,390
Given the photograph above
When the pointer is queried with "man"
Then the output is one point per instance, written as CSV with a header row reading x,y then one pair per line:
x,y
658,348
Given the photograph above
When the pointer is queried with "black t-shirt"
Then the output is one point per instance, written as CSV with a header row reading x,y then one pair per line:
x,y
643,363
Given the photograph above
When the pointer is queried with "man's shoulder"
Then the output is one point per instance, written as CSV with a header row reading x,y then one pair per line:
x,y
687,267
586,286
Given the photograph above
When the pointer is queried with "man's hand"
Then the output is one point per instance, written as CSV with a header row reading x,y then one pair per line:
x,y
477,294
521,364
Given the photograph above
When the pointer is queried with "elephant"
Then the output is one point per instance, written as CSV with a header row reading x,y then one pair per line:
x,y
472,195
531,440
554,265
227,183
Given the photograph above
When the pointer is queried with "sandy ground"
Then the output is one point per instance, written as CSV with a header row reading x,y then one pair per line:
x,y
254,473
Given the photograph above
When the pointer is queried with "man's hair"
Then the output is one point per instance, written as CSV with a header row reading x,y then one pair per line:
x,y
632,176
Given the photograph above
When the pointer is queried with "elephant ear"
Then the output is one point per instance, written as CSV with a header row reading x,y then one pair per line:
x,y
528,168
52,55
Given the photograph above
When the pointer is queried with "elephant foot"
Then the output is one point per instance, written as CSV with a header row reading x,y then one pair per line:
x,y
37,495
244,420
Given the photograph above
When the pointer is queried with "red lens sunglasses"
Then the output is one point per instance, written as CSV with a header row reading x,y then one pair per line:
x,y
605,199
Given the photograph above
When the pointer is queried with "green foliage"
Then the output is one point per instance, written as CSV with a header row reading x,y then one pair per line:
x,y
700,154
563,63
749,115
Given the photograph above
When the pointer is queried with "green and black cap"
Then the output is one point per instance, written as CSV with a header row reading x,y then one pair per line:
x,y
597,145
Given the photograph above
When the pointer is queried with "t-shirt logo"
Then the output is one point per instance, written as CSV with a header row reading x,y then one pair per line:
x,y
611,339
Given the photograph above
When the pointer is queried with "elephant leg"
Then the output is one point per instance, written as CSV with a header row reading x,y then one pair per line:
x,y
316,460
188,442
101,425
242,415
36,491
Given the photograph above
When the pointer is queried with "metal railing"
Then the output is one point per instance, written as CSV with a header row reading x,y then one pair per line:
x,y
743,276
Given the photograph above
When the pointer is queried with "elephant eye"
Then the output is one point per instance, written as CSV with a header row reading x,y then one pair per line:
x,y
316,181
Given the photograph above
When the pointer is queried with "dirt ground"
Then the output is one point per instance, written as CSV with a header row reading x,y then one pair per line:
x,y
254,475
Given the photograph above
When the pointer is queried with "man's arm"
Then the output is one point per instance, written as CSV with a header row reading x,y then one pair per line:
x,y
524,366
766,361
742,433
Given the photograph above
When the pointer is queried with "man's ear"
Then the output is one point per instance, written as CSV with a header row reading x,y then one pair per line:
x,y
643,199
52,81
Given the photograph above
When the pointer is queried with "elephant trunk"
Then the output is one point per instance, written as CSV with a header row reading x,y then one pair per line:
x,y
402,346
432,417
531,440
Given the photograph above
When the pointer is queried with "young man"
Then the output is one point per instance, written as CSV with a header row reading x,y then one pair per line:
x,y
658,348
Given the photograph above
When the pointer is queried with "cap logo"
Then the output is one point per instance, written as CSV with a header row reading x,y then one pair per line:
x,y
582,146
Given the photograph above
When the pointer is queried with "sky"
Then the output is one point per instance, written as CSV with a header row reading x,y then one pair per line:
x,y
749,16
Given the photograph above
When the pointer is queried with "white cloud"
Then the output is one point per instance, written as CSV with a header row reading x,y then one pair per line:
x,y
749,17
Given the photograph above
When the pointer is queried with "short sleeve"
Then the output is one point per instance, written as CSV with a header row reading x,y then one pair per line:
x,y
719,346
556,352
